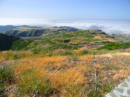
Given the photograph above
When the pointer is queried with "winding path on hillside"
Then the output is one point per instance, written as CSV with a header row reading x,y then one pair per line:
x,y
66,44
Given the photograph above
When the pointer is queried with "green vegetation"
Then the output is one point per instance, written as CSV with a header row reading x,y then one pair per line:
x,y
65,53
55,46
113,46
59,39
37,31
6,77
75,90
107,88
67,35
62,64
94,93
16,56
21,44
30,83
84,52
6,41
36,51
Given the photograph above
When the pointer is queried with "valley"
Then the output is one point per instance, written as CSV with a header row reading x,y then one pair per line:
x,y
61,62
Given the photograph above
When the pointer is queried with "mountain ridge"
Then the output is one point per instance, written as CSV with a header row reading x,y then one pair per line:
x,y
34,32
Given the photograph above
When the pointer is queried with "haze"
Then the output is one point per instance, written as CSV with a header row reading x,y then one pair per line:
x,y
111,16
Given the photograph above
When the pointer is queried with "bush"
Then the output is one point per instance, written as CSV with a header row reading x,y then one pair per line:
x,y
6,73
6,77
94,93
84,52
113,46
36,51
68,53
107,88
17,56
65,53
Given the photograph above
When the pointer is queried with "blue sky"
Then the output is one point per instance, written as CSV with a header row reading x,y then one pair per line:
x,y
65,9
65,12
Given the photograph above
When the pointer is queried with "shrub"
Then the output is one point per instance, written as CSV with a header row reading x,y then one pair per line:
x,y
68,53
36,51
65,53
94,93
6,77
30,82
9,55
84,52
17,56
113,46
75,90
6,73
107,88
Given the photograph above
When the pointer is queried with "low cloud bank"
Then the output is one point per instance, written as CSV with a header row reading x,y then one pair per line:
x,y
110,27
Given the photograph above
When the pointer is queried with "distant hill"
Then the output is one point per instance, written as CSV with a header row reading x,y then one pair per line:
x,y
66,40
40,38
7,41
37,31
9,27
122,37
25,32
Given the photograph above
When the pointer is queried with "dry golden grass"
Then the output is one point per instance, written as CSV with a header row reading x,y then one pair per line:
x,y
9,55
97,37
66,78
98,66
73,77
86,58
1,58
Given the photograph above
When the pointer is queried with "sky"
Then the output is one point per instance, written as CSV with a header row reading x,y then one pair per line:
x,y
112,16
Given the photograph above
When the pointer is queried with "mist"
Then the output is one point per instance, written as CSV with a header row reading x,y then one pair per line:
x,y
108,26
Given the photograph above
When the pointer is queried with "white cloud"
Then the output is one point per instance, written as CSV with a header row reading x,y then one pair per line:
x,y
110,27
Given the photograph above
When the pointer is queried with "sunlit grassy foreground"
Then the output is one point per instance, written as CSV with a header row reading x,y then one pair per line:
x,y
74,78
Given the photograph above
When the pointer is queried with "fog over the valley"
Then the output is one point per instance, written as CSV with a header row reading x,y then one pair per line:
x,y
110,27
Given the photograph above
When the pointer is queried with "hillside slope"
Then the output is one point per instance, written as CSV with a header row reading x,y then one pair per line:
x,y
37,31
9,27
68,40
122,37
6,41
